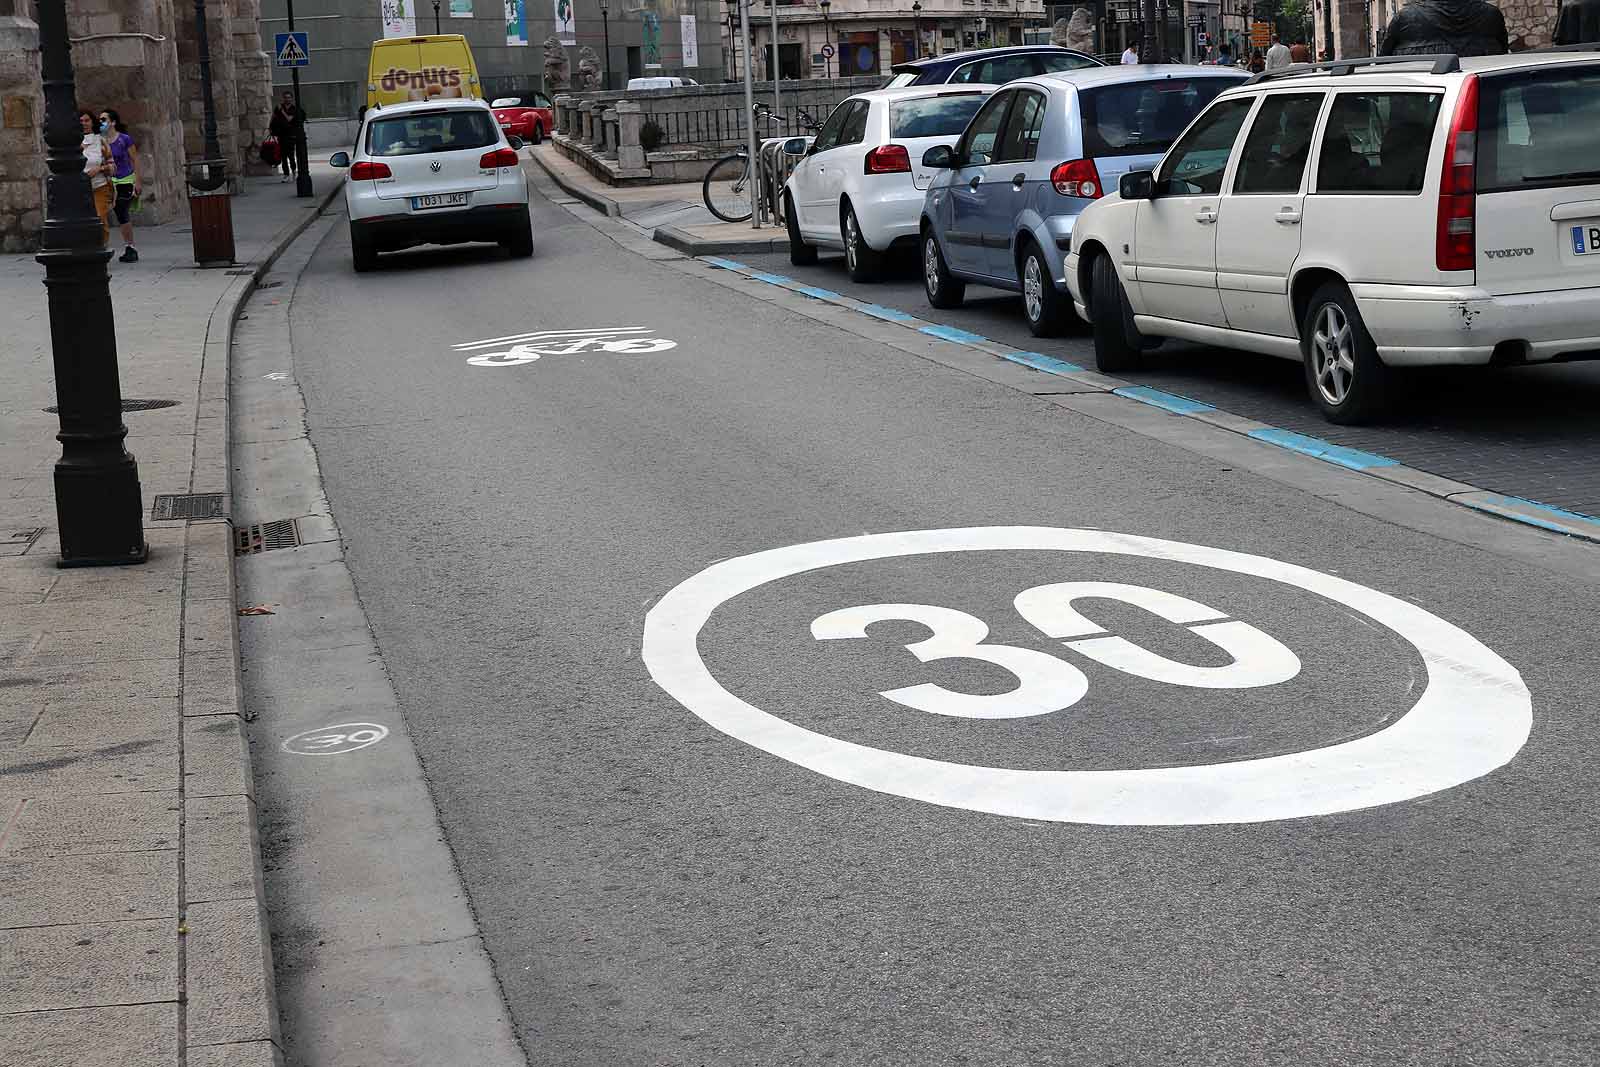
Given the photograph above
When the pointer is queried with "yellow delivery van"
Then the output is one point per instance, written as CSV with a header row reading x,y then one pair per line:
x,y
415,68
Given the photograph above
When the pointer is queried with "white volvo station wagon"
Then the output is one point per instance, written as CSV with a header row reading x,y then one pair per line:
x,y
1363,217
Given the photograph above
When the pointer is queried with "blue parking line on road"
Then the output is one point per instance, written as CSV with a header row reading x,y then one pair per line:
x,y
725,264
771,279
878,311
1178,405
1514,502
820,294
1040,361
1317,448
950,333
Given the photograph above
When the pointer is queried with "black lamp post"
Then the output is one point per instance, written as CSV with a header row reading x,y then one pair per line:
x,y
215,167
98,504
916,28
827,39
302,165
605,35
436,29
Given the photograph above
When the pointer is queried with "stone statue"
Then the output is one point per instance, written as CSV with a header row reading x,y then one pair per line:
x,y
1464,27
1076,33
556,68
588,77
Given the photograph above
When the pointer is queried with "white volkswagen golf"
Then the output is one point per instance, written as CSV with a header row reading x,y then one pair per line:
x,y
434,172
1364,217
860,184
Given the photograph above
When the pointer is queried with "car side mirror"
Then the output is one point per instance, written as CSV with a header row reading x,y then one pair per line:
x,y
939,157
795,146
1137,185
340,159
515,142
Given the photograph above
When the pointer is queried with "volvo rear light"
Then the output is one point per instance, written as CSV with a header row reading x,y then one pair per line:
x,y
1078,178
366,170
889,159
500,157
1456,248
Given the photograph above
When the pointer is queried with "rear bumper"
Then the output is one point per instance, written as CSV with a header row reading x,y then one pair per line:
x,y
1417,326
492,222
889,216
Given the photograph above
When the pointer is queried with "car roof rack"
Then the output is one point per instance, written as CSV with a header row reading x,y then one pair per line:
x,y
1443,63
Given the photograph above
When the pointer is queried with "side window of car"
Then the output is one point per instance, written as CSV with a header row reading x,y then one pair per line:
x,y
977,145
1196,164
1377,143
1279,144
1021,140
855,124
1054,62
828,136
540,100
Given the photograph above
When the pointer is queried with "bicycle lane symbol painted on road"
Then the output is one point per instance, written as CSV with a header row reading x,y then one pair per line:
x,y
1473,716
516,350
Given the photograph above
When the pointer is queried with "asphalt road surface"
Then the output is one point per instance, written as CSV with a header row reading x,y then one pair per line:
x,y
1526,431
693,828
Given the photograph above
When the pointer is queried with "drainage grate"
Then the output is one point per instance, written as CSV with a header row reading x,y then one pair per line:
x,y
14,541
187,506
266,536
269,285
134,405
247,270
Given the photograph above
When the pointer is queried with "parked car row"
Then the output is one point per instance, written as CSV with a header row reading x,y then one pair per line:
x,y
1359,217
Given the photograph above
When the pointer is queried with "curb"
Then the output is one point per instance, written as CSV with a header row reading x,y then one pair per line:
x,y
1517,509
690,245
605,205
229,987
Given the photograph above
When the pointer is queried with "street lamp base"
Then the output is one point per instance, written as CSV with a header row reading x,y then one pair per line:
x,y
99,512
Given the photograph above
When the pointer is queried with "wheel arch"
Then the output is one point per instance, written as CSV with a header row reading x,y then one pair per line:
x,y
1092,249
1305,283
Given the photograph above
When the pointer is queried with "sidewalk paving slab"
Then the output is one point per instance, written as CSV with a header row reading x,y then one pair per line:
x,y
132,926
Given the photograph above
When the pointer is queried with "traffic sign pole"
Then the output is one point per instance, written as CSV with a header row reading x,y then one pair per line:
x,y
302,164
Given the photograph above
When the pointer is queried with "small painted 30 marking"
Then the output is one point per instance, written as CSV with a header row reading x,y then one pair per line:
x,y
515,350
337,739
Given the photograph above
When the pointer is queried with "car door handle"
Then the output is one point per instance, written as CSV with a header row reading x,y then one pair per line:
x,y
1206,216
1017,180
1288,216
977,180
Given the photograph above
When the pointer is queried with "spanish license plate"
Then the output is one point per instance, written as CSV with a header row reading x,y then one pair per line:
x,y
422,203
1586,239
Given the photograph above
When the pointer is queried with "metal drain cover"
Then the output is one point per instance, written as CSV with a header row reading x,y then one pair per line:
x,y
266,536
134,405
187,506
14,541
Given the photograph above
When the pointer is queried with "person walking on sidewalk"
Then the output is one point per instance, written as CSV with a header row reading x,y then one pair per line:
x,y
1277,55
98,166
286,123
126,182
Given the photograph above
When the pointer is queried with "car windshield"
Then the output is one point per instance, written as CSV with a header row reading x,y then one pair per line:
x,y
507,101
1136,118
1537,129
431,131
934,116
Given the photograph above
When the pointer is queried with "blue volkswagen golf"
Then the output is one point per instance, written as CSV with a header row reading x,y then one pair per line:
x,y
1000,210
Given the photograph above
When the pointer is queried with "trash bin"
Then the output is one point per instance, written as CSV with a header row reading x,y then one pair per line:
x,y
210,212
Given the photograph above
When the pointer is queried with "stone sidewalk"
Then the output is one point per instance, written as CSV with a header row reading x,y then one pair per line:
x,y
674,215
132,930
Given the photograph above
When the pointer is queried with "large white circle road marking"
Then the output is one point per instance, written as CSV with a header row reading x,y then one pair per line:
x,y
1473,716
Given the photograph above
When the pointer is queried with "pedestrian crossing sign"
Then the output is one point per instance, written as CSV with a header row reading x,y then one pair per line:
x,y
292,49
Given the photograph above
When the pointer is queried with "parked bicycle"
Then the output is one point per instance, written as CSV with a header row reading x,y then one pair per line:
x,y
726,188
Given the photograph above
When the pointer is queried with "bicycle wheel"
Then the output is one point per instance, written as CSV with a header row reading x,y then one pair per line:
x,y
727,189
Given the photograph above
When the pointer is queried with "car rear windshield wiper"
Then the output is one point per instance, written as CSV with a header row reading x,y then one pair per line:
x,y
1567,175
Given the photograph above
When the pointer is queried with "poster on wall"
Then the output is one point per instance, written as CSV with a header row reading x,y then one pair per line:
x,y
566,21
691,43
461,9
398,18
516,24
651,23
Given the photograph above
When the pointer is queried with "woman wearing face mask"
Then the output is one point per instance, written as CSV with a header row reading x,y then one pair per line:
x,y
98,166
125,178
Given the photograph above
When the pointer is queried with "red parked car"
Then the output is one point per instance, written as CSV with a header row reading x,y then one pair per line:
x,y
528,117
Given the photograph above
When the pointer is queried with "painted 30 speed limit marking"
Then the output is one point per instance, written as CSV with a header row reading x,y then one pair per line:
x,y
1472,717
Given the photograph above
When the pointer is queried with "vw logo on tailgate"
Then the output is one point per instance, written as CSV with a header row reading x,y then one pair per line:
x,y
434,166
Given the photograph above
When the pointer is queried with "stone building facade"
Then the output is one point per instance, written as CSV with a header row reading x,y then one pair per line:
x,y
1357,26
140,57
